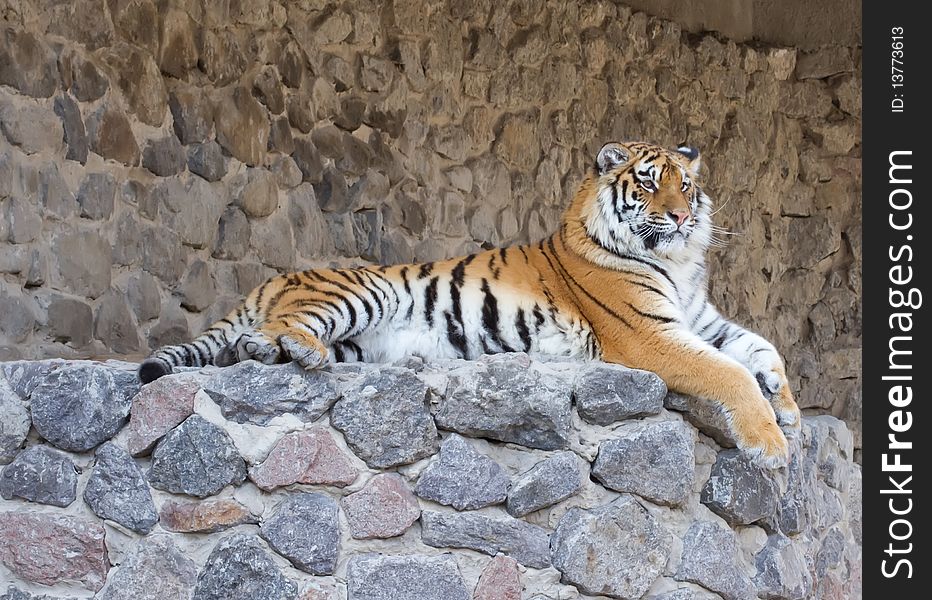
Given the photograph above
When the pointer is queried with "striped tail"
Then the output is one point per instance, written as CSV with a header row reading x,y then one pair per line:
x,y
211,347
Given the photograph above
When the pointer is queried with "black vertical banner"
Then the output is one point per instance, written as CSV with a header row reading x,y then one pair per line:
x,y
897,442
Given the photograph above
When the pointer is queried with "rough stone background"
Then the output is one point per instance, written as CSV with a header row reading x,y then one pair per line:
x,y
228,494
158,159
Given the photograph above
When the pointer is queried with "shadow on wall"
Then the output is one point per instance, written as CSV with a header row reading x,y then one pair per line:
x,y
159,160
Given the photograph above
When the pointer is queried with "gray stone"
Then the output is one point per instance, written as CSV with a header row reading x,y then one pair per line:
x,y
239,568
95,196
329,141
191,207
110,134
233,235
155,570
331,191
385,419
196,458
197,289
782,571
686,594
504,397
280,137
14,422
608,393
705,415
74,133
53,193
117,490
308,160
267,88
617,550
221,56
14,593
740,491
272,238
192,115
312,235
207,161
163,254
70,320
164,156
356,156
22,220
87,82
31,127
138,77
259,197
18,318
40,474
251,392
242,126
286,172
80,405
550,481
524,542
381,577
179,51
301,112
304,528
351,113
653,460
27,63
23,376
114,324
142,292
709,558
462,477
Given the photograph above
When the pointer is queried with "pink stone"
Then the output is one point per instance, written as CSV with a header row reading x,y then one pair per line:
x,y
158,408
305,457
499,580
316,594
384,508
50,549
208,516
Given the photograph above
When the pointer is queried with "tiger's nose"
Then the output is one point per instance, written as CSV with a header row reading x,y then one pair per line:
x,y
679,216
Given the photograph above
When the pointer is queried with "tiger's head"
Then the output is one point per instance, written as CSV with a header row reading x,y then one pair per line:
x,y
644,199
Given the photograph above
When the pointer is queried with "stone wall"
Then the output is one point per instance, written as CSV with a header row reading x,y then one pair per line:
x,y
158,159
498,479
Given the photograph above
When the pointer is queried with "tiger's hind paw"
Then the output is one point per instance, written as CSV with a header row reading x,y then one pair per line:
x,y
308,353
257,346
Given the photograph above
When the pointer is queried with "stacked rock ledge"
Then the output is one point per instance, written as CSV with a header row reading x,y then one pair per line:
x,y
506,477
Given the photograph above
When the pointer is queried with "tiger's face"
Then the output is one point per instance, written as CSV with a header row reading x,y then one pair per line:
x,y
648,201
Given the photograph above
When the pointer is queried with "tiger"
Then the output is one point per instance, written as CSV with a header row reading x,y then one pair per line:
x,y
623,280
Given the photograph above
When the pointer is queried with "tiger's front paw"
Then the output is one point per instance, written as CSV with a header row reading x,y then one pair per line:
x,y
762,439
776,388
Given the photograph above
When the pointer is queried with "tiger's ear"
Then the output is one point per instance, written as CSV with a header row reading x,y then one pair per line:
x,y
610,156
693,155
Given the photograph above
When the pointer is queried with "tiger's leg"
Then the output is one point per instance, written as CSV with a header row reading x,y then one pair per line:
x,y
690,366
760,357
298,344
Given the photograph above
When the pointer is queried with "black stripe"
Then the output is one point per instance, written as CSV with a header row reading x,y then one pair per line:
x,y
490,316
355,348
454,334
566,275
523,332
203,354
425,270
538,318
502,252
459,271
338,353
648,287
647,315
430,299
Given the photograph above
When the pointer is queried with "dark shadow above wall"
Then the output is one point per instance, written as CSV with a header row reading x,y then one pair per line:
x,y
801,23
